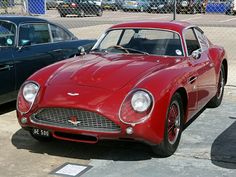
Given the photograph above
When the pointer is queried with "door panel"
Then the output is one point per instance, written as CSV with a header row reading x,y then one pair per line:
x,y
7,75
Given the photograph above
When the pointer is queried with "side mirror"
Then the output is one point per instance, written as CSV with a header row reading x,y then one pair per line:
x,y
196,54
25,42
81,50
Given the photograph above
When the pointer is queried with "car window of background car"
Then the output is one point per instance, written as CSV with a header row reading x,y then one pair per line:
x,y
35,33
58,34
191,41
202,40
7,34
110,39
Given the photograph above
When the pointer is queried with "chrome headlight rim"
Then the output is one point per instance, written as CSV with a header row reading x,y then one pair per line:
x,y
143,119
21,92
34,93
141,94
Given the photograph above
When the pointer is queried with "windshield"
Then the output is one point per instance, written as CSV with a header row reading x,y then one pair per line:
x,y
7,34
142,41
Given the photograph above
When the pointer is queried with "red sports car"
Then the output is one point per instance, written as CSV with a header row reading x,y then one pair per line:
x,y
142,81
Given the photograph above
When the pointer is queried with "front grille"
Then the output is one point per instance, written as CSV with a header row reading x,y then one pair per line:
x,y
75,118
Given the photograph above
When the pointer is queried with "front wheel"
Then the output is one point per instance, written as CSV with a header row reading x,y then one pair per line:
x,y
217,99
173,128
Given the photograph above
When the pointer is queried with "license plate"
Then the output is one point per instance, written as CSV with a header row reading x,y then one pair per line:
x,y
154,8
40,132
107,6
65,5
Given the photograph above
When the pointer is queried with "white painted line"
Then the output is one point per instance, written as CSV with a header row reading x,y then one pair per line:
x,y
223,21
189,19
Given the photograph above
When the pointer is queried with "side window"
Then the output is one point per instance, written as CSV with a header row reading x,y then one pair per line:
x,y
191,41
202,40
34,34
58,34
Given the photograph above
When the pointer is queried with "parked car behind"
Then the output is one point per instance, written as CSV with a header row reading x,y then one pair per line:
x,y
231,8
161,6
190,6
79,7
52,3
28,44
135,5
112,4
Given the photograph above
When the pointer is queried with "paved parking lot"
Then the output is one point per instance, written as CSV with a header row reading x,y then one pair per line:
x,y
207,147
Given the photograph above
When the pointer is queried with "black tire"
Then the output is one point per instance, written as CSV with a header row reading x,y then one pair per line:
x,y
99,13
40,138
169,145
63,15
82,14
217,99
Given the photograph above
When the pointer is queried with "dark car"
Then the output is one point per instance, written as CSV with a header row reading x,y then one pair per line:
x,y
79,7
161,6
190,6
230,8
52,3
28,44
112,4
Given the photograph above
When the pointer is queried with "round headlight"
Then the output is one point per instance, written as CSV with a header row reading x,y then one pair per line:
x,y
141,101
30,91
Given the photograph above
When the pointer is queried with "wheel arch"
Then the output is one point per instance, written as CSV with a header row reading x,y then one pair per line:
x,y
184,97
225,65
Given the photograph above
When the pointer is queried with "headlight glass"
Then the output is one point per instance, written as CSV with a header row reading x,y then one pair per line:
x,y
30,91
141,101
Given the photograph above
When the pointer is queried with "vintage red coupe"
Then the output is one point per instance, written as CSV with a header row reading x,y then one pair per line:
x,y
142,81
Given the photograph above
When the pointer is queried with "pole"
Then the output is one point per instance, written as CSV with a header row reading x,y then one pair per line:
x,y
174,13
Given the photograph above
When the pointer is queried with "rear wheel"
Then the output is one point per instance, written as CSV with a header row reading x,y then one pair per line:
x,y
63,15
173,128
82,13
99,13
217,99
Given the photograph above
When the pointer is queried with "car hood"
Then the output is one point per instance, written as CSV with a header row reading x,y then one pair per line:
x,y
107,71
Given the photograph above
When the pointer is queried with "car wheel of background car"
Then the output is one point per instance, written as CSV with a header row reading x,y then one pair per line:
x,y
193,11
63,15
141,9
99,12
217,99
115,8
82,13
173,128
40,138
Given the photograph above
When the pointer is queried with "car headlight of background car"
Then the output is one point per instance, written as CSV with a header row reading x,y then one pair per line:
x,y
27,96
136,107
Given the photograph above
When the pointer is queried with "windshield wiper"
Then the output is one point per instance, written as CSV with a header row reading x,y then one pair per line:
x,y
137,51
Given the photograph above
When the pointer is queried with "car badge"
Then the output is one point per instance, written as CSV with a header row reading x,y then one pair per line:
x,y
73,120
72,94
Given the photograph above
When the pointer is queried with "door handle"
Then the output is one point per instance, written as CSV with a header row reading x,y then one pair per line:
x,y
192,79
5,67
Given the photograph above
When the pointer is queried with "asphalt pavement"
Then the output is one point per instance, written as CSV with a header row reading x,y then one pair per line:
x,y
207,148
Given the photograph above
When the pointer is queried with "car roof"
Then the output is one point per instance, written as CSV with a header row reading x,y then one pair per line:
x,y
21,19
177,26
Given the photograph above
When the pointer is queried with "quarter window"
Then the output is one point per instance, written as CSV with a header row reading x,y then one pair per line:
x,y
191,41
202,40
58,34
34,34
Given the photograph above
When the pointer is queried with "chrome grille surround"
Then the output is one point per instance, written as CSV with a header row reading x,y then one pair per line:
x,y
75,119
